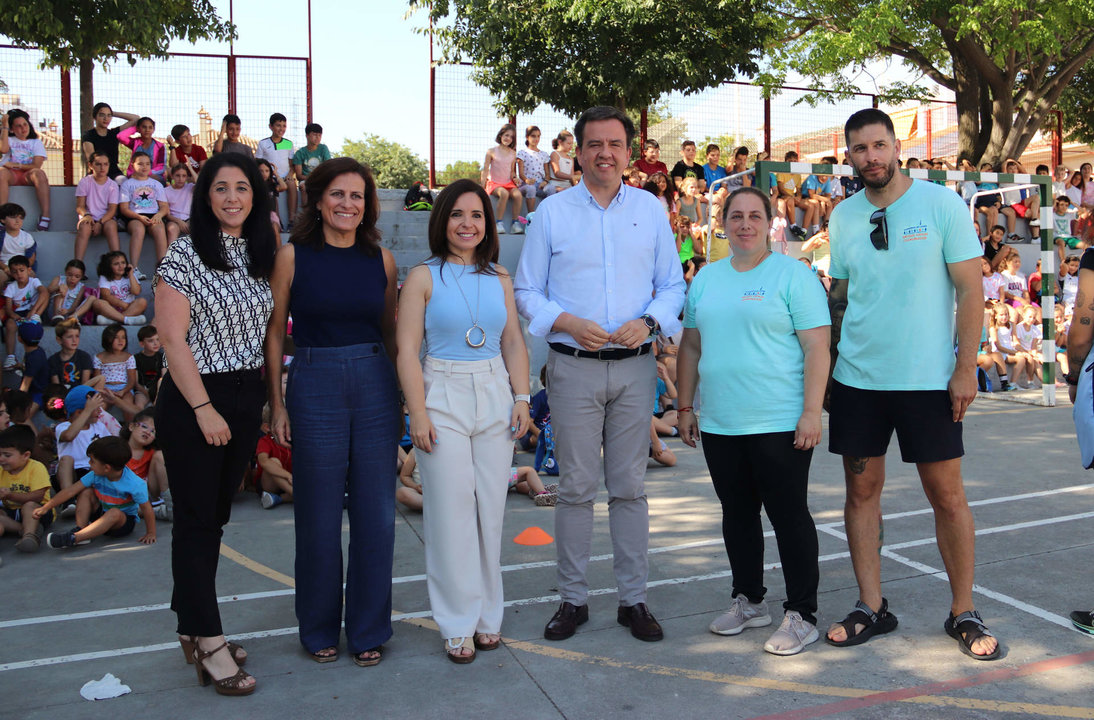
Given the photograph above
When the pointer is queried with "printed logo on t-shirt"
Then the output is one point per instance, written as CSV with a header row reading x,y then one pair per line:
x,y
915,232
757,295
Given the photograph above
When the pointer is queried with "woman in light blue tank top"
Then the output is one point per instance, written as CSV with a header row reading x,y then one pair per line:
x,y
463,367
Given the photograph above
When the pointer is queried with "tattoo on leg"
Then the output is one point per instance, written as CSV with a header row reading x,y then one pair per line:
x,y
857,465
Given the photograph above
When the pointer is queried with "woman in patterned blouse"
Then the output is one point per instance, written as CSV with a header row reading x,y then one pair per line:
x,y
213,302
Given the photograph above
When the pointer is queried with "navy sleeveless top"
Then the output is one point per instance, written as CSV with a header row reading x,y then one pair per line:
x,y
337,297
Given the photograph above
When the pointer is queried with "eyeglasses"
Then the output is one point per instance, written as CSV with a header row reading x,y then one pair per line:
x,y
879,236
149,430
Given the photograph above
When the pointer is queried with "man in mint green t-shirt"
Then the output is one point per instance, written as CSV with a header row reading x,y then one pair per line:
x,y
902,252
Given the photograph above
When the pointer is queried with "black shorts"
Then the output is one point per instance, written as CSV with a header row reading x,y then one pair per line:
x,y
118,532
861,424
17,515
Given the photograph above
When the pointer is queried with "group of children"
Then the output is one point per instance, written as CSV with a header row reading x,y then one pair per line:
x,y
525,176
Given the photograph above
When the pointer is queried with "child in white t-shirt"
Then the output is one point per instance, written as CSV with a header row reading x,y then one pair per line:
x,y
119,291
1027,337
24,301
22,155
86,423
143,207
17,241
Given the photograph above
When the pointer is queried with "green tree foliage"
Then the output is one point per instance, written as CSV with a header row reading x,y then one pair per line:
x,y
459,169
78,35
393,165
1007,61
573,54
1077,104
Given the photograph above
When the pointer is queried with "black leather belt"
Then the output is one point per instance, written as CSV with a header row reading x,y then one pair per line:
x,y
609,354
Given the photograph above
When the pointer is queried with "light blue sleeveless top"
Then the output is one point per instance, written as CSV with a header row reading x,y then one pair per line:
x,y
447,318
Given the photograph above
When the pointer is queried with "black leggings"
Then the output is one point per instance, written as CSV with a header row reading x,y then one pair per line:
x,y
203,480
753,470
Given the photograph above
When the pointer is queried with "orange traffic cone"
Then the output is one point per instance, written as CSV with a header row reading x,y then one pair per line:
x,y
533,536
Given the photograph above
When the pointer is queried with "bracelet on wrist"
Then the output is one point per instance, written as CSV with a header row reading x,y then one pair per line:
x,y
1071,380
689,408
522,397
207,402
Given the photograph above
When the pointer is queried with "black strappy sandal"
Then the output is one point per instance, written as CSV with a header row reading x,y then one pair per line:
x,y
872,623
967,628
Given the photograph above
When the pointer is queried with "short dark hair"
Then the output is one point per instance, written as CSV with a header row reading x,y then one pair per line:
x,y
308,227
712,147
99,106
232,119
179,130
740,151
864,117
111,450
205,228
148,413
146,332
75,263
603,112
278,117
997,227
11,210
790,154
18,404
486,251
1040,168
109,333
1063,198
19,437
19,260
651,143
313,127
97,154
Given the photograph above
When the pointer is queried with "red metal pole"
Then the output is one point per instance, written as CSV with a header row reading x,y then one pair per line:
x,y
232,84
309,87
1058,141
767,128
66,126
432,125
835,144
930,135
644,125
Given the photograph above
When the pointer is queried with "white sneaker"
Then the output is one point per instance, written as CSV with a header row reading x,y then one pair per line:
x,y
269,500
10,362
501,228
161,511
134,320
169,503
742,614
103,320
792,636
141,277
516,228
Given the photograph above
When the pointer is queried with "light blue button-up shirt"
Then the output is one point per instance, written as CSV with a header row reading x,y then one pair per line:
x,y
609,265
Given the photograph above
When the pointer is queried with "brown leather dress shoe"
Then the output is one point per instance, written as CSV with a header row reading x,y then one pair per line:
x,y
564,623
641,622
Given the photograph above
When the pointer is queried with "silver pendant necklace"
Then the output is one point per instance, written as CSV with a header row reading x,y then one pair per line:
x,y
475,329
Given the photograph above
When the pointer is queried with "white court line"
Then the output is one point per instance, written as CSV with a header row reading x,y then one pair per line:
x,y
551,563
887,551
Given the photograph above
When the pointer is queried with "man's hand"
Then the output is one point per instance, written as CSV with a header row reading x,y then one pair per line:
x,y
962,388
588,334
631,334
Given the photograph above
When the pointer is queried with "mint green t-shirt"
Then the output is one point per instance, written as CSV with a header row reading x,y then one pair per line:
x,y
752,370
898,331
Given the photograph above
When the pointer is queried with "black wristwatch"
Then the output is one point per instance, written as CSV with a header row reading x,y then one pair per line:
x,y
651,323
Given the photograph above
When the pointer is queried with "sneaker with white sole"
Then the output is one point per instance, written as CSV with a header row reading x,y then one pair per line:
x,y
516,228
742,614
103,320
134,320
161,511
269,500
59,540
141,277
792,636
169,503
501,227
10,362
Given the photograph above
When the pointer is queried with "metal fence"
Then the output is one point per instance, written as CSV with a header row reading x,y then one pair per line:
x,y
194,89
463,122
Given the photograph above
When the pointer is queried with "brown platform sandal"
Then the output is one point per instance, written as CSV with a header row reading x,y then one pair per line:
x,y
487,641
366,659
227,686
188,651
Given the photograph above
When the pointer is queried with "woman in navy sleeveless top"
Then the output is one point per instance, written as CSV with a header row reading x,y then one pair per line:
x,y
341,409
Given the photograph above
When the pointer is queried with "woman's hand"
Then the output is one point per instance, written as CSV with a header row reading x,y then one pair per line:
x,y
688,427
280,428
521,420
212,426
1071,389
808,433
422,432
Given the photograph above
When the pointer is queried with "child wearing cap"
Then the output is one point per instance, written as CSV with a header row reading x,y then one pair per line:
x,y
35,364
86,423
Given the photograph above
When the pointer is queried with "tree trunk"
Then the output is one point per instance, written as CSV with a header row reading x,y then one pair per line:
x,y
84,120
967,95
1002,120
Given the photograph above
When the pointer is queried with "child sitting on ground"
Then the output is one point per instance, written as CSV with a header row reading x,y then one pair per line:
x,y
149,363
1027,336
25,301
119,291
665,418
17,241
24,488
119,370
522,479
109,498
659,451
180,195
35,365
146,462
72,298
410,494
274,473
86,423
70,366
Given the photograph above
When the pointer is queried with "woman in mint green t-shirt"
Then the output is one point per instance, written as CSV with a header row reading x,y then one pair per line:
x,y
756,328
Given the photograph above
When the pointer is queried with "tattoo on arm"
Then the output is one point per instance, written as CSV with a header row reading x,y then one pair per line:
x,y
857,465
837,306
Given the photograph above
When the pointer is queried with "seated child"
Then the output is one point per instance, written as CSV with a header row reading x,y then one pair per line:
x,y
109,498
541,417
274,187
119,370
149,363
147,462
24,488
86,422
308,157
97,198
274,473
278,151
180,195
70,366
17,241
525,480
665,419
18,405
231,129
35,365
659,451
25,300
410,494
72,298
1027,336
143,206
184,149
119,291
138,138
1063,226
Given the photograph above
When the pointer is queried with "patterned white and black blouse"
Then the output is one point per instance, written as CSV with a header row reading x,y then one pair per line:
x,y
228,310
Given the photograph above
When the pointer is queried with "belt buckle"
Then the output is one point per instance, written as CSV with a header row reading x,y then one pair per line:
x,y
600,354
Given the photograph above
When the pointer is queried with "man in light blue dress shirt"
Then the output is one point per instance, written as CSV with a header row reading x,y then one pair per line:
x,y
599,276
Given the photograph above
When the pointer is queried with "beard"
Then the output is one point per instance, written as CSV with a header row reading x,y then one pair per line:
x,y
881,182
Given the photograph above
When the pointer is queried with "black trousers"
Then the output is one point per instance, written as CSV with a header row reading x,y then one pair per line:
x,y
750,471
203,479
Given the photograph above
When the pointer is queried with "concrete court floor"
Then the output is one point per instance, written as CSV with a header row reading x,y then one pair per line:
x,y
73,616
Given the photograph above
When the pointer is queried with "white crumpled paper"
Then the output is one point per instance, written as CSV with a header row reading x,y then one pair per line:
x,y
108,687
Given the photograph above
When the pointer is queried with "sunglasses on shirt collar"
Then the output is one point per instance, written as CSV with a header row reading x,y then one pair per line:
x,y
879,236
